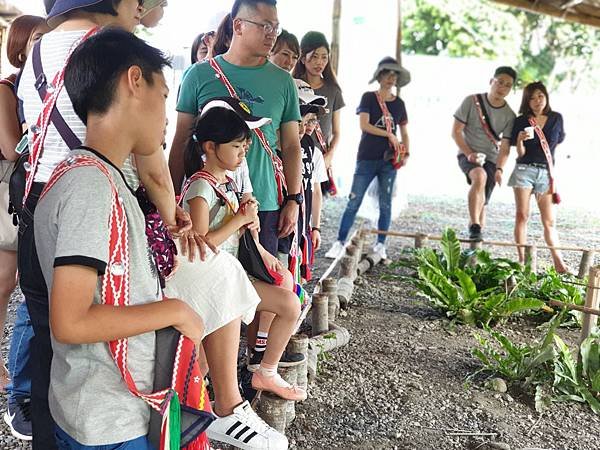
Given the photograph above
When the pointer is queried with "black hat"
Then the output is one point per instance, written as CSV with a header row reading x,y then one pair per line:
x,y
238,107
389,63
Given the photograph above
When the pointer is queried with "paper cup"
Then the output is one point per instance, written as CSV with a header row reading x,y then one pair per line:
x,y
530,132
480,158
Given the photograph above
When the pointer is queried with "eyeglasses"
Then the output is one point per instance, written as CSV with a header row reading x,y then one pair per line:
x,y
268,28
312,122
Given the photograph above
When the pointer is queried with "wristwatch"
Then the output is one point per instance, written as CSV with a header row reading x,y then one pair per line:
x,y
298,198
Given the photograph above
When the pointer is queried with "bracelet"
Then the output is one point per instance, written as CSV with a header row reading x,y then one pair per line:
x,y
316,229
500,169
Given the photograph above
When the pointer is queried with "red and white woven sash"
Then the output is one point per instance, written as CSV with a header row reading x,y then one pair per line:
x,y
275,160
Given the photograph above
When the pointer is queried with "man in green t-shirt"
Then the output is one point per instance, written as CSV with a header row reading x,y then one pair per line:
x,y
269,92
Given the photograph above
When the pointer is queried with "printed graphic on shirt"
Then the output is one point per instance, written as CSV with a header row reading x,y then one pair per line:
x,y
381,122
247,97
308,166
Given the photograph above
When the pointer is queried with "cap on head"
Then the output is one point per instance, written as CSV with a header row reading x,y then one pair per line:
x,y
237,106
309,101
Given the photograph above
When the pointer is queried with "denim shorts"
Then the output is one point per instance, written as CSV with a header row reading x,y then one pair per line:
x,y
531,177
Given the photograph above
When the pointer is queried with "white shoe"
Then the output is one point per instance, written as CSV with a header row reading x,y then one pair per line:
x,y
244,429
336,250
379,248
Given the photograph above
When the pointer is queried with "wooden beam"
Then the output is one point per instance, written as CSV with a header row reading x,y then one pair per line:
x,y
335,35
543,8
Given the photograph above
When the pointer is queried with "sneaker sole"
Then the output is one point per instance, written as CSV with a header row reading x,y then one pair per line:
x,y
14,432
290,363
221,437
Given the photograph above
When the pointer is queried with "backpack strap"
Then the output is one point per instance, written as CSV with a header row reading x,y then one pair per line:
x,y
41,85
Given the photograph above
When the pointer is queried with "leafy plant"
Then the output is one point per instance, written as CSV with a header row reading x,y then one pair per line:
x,y
548,366
474,294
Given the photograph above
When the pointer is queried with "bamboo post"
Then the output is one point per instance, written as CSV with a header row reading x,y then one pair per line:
x,y
276,411
346,267
531,256
421,240
399,37
345,288
330,288
335,35
591,301
320,314
299,344
587,261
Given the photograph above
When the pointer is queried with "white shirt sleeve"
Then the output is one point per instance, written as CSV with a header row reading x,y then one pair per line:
x,y
319,172
242,178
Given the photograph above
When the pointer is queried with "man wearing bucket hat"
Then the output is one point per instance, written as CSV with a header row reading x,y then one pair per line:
x,y
73,20
482,130
380,152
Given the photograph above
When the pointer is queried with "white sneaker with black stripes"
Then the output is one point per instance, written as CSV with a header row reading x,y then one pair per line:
x,y
244,429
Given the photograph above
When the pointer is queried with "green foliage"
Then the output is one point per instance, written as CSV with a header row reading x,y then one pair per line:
x,y
541,47
548,366
470,288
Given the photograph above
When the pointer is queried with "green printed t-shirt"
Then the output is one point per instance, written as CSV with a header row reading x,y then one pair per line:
x,y
268,91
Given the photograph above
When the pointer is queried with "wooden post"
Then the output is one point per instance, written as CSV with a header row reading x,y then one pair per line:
x,y
277,412
399,38
330,288
587,261
299,344
335,35
347,269
345,288
421,240
591,301
320,314
531,256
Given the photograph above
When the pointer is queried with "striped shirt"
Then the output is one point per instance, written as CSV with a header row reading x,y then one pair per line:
x,y
54,49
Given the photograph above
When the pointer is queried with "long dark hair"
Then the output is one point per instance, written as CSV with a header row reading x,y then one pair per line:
x,y
308,46
218,125
223,36
525,109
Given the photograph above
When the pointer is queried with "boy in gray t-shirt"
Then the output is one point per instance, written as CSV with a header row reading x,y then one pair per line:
x,y
482,130
123,107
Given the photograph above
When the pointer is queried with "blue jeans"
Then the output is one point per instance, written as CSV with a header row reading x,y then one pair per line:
x,y
365,172
66,442
18,355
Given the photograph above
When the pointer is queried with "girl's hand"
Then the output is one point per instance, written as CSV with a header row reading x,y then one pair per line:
x,y
316,239
183,223
271,262
522,136
328,158
393,140
192,242
248,212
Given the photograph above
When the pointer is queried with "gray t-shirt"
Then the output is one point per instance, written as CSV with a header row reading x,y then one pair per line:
x,y
88,398
335,101
501,118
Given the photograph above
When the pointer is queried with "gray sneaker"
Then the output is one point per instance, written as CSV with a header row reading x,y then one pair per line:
x,y
18,417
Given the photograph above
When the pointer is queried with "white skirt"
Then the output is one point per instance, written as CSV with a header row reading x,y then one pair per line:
x,y
218,289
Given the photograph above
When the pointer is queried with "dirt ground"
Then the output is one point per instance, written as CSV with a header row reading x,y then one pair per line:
x,y
401,382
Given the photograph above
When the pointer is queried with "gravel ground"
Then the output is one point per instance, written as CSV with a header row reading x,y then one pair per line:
x,y
400,383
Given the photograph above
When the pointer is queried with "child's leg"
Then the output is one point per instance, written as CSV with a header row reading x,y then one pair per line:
x,y
221,348
286,307
259,339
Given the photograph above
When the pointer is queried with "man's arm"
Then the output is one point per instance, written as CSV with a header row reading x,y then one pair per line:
x,y
292,168
154,175
502,158
458,136
182,133
75,319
